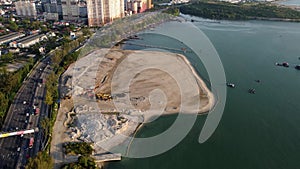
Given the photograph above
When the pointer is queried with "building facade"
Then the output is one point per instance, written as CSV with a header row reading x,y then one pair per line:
x,y
25,9
104,11
70,10
138,6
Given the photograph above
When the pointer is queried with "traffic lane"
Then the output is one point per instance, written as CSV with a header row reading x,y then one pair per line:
x,y
10,151
35,119
11,145
23,107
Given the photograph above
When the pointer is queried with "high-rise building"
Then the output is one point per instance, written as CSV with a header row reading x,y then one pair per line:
x,y
70,10
138,6
52,9
104,11
25,9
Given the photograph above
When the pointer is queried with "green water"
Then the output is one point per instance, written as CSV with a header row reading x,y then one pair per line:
x,y
260,131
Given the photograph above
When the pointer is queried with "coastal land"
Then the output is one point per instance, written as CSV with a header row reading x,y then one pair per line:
x,y
108,94
241,11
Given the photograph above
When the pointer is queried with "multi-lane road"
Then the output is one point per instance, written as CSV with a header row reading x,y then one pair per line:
x,y
15,151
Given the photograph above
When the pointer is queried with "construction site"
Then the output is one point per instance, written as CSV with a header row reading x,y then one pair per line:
x,y
108,94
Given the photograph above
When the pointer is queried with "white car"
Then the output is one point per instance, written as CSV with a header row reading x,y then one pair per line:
x,y
24,102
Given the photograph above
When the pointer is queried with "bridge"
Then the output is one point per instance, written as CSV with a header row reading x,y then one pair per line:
x,y
15,133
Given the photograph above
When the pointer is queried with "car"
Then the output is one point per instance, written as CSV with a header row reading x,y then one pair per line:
x,y
26,121
24,102
27,114
19,148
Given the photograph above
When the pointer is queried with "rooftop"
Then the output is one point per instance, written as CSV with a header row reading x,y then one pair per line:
x,y
9,36
30,38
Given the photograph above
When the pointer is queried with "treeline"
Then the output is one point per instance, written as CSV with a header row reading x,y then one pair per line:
x,y
172,10
111,34
243,11
41,161
84,160
75,148
10,83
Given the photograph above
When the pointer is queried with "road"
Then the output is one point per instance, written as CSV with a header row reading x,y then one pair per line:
x,y
19,117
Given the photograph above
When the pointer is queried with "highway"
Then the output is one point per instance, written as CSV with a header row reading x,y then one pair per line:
x,y
15,151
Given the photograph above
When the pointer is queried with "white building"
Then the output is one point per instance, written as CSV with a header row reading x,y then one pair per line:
x,y
10,37
25,9
104,11
27,41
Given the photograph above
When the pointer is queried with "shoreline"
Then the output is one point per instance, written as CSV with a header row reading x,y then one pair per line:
x,y
202,110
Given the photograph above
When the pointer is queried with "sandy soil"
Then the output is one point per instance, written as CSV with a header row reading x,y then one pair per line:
x,y
143,84
154,82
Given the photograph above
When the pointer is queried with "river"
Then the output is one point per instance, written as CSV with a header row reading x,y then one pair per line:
x,y
290,2
259,130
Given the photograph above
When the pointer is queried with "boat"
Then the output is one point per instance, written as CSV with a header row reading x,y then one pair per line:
x,y
230,85
285,64
258,81
297,67
252,91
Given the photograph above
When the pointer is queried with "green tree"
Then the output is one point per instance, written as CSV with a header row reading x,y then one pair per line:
x,y
7,57
13,26
42,161
49,98
45,123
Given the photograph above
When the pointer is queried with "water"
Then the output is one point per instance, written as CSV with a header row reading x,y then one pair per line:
x,y
260,131
290,2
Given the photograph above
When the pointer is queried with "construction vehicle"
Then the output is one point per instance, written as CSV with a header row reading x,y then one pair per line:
x,y
104,96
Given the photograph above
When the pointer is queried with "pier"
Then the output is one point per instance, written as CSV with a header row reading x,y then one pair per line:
x,y
107,157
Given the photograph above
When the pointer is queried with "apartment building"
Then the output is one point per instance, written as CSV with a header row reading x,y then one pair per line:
x,y
25,9
104,11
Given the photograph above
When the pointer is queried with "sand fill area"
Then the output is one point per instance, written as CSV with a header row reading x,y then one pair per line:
x,y
135,87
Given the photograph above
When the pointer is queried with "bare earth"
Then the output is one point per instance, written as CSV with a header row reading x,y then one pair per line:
x,y
143,84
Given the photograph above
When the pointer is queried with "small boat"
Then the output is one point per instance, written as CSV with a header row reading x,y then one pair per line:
x,y
252,91
230,85
297,67
285,64
258,81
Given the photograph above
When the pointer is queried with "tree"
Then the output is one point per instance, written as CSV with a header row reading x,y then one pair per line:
x,y
13,26
86,32
84,162
49,98
3,105
7,57
45,123
42,161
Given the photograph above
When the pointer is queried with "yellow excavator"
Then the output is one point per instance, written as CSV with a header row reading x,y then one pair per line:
x,y
104,96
